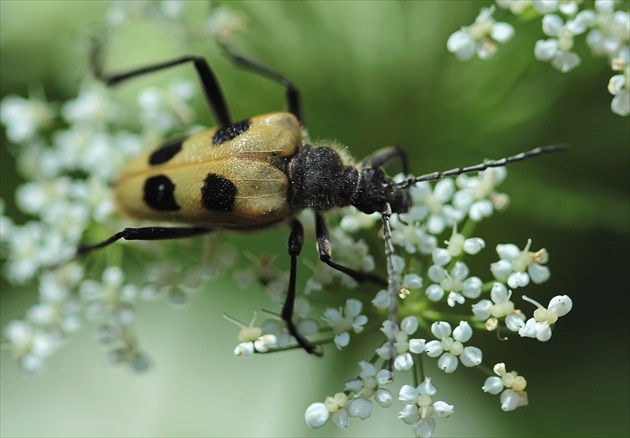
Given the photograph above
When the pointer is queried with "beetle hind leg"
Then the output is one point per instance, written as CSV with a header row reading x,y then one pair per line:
x,y
146,233
211,88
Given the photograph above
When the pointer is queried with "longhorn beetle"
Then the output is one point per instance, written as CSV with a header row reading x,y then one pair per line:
x,y
260,172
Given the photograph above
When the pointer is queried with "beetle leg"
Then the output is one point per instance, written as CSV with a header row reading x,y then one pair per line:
x,y
392,284
324,249
294,105
211,88
147,233
384,156
296,241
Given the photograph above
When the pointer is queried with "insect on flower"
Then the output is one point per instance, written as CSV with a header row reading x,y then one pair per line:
x,y
260,172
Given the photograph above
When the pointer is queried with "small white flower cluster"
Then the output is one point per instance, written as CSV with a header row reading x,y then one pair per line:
x,y
606,25
481,37
67,154
403,346
420,410
355,401
510,385
342,322
252,338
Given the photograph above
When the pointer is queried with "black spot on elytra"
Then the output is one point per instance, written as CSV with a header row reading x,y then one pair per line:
x,y
229,132
158,193
218,193
166,152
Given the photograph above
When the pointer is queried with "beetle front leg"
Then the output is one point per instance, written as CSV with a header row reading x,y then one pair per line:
x,y
324,249
383,156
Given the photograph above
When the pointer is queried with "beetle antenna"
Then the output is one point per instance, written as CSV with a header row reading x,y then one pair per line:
x,y
392,284
483,166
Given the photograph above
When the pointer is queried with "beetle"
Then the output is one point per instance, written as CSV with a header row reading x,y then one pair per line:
x,y
260,172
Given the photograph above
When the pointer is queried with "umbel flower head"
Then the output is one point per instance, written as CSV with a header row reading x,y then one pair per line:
x,y
443,304
604,25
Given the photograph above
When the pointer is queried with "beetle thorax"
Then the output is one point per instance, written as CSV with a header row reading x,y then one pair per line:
x,y
321,179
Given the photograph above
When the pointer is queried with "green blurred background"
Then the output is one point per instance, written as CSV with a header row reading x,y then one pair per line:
x,y
371,74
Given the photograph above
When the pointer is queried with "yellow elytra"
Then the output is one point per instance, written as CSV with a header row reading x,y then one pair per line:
x,y
218,178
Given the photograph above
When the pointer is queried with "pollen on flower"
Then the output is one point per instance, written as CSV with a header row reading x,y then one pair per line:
x,y
510,385
251,338
540,325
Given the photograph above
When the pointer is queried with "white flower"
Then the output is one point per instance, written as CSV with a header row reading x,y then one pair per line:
x,y
251,338
558,49
516,7
223,23
33,246
420,408
456,283
403,346
58,311
480,38
477,196
450,348
410,235
510,385
619,85
317,414
24,118
342,322
356,402
30,345
382,299
501,307
519,267
458,244
433,203
610,33
122,11
110,296
540,325
369,385
93,106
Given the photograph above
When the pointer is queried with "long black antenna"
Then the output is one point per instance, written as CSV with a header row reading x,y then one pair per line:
x,y
483,166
